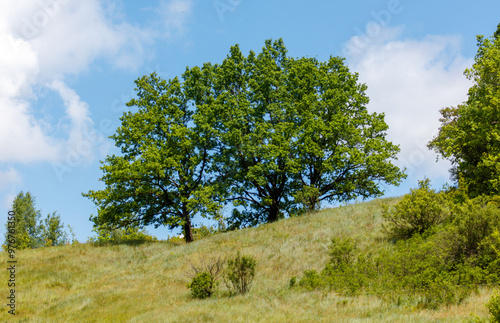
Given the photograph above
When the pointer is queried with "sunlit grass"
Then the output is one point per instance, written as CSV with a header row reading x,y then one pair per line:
x,y
147,282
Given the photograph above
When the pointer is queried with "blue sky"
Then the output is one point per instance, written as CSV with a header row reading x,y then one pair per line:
x,y
68,67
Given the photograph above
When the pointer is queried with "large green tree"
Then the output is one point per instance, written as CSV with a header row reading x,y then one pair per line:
x,y
469,135
161,177
290,133
271,134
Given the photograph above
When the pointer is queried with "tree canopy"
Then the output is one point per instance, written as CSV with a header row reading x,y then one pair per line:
x,y
469,135
273,135
161,177
291,133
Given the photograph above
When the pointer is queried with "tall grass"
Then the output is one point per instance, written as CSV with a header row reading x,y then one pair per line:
x,y
147,282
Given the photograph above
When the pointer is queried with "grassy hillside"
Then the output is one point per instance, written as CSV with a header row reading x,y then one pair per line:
x,y
147,283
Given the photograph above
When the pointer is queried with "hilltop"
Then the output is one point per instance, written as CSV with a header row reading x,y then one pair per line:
x,y
147,282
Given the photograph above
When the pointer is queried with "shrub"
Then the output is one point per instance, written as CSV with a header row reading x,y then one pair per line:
x,y
203,285
311,280
122,235
476,220
205,276
348,270
418,211
240,273
203,231
342,251
494,307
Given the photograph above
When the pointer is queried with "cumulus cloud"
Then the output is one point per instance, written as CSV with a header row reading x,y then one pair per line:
x,y
410,80
42,42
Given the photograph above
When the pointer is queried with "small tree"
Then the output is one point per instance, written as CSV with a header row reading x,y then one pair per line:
x,y
28,231
203,285
52,230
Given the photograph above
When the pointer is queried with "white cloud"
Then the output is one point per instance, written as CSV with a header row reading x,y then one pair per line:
x,y
42,41
175,14
78,114
410,81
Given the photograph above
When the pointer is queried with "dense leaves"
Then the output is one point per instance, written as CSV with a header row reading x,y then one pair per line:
x,y
290,133
470,133
274,135
161,178
420,210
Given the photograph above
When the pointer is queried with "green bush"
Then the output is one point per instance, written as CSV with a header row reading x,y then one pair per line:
x,y
203,285
240,273
203,231
476,221
418,211
122,235
342,251
311,280
494,307
205,276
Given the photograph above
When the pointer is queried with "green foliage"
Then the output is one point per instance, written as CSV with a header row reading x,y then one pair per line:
x,y
469,135
417,212
240,273
290,133
342,252
311,280
162,176
204,231
205,276
476,221
30,230
425,270
494,307
53,233
27,228
130,235
203,285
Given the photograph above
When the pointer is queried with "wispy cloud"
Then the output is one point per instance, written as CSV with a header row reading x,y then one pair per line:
x,y
175,15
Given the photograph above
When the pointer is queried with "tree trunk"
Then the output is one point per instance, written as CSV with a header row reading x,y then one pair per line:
x,y
273,213
188,233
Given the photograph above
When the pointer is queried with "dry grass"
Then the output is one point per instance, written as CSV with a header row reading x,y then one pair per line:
x,y
147,283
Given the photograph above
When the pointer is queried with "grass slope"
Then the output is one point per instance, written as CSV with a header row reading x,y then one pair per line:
x,y
147,283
